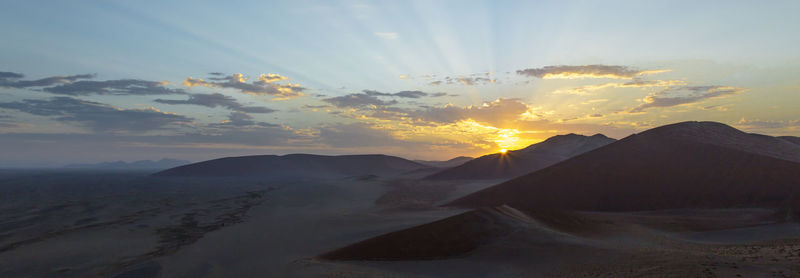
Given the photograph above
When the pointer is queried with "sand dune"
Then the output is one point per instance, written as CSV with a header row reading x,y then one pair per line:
x,y
687,165
447,163
297,165
519,162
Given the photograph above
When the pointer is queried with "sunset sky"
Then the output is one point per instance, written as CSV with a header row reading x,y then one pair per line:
x,y
91,81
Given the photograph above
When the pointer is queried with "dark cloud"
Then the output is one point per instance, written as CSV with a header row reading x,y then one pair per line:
x,y
403,94
472,81
215,100
10,75
97,116
265,84
358,100
113,87
684,95
239,119
371,98
586,71
11,80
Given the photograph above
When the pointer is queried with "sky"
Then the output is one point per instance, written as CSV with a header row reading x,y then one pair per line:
x,y
92,81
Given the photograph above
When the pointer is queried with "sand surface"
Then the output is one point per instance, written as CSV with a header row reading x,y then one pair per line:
x,y
126,224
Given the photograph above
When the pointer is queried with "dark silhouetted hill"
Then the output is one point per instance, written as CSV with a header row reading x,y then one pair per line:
x,y
136,165
683,165
297,165
520,162
447,163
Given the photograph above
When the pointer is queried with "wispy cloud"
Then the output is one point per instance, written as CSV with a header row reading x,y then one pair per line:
x,y
586,71
592,89
215,100
98,116
14,80
684,95
387,35
265,84
113,87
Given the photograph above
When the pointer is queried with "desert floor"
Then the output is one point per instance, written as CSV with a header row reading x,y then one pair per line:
x,y
126,224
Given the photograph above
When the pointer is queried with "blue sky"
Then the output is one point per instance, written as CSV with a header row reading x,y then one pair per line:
x,y
730,61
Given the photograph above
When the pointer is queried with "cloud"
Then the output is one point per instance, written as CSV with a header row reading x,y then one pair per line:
x,y
266,84
586,71
316,106
10,75
403,94
358,100
239,119
636,83
12,80
215,100
684,95
443,95
98,116
759,124
493,112
387,35
471,81
465,80
113,87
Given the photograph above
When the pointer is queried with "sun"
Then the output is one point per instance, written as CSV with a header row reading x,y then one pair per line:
x,y
503,151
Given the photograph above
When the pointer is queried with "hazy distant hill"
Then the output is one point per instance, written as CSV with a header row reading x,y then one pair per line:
x,y
298,165
683,165
447,163
519,162
136,165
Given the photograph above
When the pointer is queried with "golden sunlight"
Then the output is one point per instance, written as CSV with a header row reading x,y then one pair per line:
x,y
503,151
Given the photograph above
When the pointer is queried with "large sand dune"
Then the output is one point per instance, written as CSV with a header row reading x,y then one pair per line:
x,y
519,162
687,165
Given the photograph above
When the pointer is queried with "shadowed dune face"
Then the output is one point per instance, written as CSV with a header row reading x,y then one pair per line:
x,y
298,165
516,163
687,165
795,140
543,228
441,239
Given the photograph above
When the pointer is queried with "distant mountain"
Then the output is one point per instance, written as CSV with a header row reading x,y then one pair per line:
x,y
683,165
520,162
298,165
136,165
445,164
